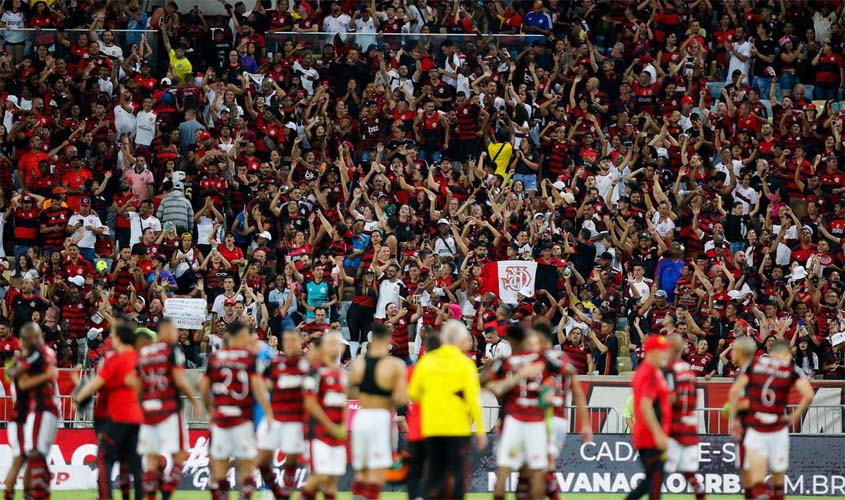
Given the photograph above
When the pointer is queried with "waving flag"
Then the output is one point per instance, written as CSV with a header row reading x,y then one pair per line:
x,y
507,277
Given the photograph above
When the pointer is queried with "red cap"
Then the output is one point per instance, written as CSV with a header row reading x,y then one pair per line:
x,y
741,322
810,106
655,343
204,135
687,99
59,190
646,59
229,301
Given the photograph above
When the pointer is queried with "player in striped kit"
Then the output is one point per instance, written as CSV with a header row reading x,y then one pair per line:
x,y
36,374
767,381
285,431
682,453
16,423
523,441
325,403
164,431
228,388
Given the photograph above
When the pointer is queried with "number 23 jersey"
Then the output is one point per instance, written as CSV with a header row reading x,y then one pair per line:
x,y
229,372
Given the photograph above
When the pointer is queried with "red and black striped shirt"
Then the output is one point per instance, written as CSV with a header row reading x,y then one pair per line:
x,y
44,397
681,381
399,338
769,382
328,386
26,226
55,216
159,396
578,357
287,375
467,121
229,371
76,314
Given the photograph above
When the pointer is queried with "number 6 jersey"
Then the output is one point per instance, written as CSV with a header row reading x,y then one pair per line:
x,y
229,371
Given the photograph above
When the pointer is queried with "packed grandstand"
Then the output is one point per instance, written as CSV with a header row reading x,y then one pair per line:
x,y
606,170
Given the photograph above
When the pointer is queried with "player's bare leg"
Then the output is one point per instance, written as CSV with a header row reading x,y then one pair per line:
x,y
170,482
152,477
246,478
756,470
219,484
368,484
777,492
12,478
317,483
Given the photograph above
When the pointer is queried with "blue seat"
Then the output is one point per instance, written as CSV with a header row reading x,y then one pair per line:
x,y
808,92
768,105
715,89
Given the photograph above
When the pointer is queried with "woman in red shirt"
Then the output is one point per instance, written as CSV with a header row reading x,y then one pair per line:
x,y
230,252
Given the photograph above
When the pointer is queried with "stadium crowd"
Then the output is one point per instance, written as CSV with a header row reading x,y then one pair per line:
x,y
679,165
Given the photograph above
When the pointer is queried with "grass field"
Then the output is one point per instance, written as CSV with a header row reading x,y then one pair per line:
x,y
203,495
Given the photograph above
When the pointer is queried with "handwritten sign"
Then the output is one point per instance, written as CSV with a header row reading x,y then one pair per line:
x,y
185,313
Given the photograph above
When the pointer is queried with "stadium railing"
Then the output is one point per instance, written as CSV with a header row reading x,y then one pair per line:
x,y
818,420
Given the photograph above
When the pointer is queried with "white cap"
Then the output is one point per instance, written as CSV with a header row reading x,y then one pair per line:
x,y
443,221
559,185
663,152
77,280
737,294
93,332
569,198
178,176
265,235
178,185
526,292
837,338
798,273
14,100
166,81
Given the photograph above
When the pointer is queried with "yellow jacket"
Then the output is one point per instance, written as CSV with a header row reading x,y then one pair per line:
x,y
445,384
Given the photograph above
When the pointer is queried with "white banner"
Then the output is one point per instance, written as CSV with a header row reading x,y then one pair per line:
x,y
186,313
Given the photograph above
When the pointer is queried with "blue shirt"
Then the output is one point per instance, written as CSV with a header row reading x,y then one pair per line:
x,y
262,360
669,272
359,243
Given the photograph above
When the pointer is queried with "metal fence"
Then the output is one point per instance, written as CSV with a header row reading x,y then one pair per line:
x,y
818,420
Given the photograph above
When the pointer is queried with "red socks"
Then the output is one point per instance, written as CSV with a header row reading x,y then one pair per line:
x,y
39,478
778,492
368,491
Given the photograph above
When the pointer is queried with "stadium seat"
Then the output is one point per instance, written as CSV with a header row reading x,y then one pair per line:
x,y
808,91
715,89
820,104
768,105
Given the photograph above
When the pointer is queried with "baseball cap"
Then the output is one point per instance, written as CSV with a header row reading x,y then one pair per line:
x,y
443,221
229,302
265,235
655,343
85,201
59,190
687,100
660,293
77,280
205,135
26,197
741,322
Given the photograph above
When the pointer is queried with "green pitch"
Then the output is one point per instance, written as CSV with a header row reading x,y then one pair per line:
x,y
203,495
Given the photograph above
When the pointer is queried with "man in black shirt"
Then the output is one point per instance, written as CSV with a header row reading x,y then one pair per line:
x,y
762,57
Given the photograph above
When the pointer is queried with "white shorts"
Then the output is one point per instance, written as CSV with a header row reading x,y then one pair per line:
x,y
289,437
14,433
523,443
560,427
680,458
164,438
327,460
772,445
39,432
371,444
236,442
